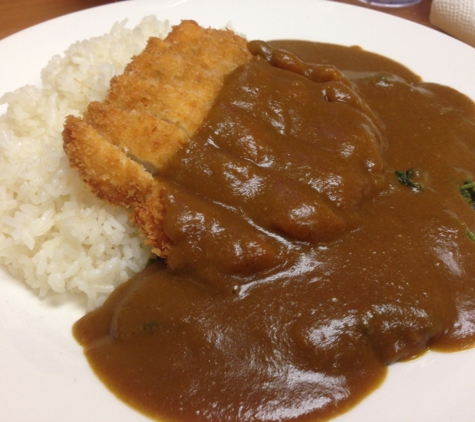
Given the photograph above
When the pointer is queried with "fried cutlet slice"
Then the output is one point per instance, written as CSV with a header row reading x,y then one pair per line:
x,y
150,112
144,137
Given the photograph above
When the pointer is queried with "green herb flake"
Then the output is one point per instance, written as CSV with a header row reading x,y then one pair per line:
x,y
470,235
407,177
467,190
151,327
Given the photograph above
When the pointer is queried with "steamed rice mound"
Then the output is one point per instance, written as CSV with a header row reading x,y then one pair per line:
x,y
54,234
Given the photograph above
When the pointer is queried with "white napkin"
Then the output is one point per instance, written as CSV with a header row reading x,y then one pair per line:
x,y
456,17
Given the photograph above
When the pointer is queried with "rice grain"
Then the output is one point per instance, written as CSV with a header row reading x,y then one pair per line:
x,y
54,234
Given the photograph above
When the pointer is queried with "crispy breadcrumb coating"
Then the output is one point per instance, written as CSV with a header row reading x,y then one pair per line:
x,y
150,112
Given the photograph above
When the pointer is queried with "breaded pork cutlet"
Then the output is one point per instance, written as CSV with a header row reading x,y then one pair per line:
x,y
150,112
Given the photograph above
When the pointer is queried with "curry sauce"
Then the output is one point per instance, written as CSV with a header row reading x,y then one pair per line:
x,y
321,227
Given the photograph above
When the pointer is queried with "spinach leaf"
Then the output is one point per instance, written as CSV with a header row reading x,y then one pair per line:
x,y
407,177
467,190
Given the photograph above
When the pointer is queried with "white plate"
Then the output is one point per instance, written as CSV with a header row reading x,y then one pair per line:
x,y
43,374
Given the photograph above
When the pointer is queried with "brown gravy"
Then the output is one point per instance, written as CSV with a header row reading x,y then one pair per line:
x,y
302,263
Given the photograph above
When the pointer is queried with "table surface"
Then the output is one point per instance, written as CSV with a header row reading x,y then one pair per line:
x,y
16,15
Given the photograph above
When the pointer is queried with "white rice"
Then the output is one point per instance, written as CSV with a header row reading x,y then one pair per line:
x,y
54,234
